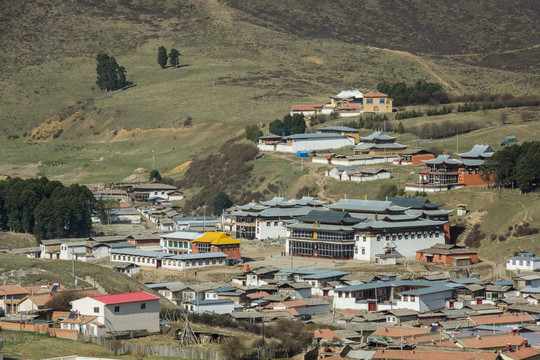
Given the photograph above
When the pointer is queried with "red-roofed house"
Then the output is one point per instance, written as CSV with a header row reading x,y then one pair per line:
x,y
116,313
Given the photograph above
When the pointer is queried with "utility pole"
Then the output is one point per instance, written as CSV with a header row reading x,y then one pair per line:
x,y
204,219
153,160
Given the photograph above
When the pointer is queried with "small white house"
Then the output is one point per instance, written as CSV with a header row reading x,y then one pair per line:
x,y
219,306
72,250
523,261
115,313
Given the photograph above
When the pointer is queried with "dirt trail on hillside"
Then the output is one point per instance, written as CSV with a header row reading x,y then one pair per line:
x,y
493,53
454,85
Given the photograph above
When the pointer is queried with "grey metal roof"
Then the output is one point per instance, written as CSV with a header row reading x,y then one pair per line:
x,y
314,273
523,256
285,212
378,135
362,205
364,146
163,284
330,217
120,245
443,159
472,162
252,207
315,136
146,253
207,255
319,227
465,281
183,234
210,302
337,128
479,151
408,225
413,203
427,290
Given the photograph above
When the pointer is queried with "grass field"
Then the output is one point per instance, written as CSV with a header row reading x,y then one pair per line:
x,y
26,345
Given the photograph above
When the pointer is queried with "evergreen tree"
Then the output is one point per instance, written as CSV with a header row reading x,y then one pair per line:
x,y
162,57
253,133
110,76
173,57
220,202
154,175
277,127
400,129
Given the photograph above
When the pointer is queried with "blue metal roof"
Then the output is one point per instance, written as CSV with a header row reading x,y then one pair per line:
x,y
163,284
427,290
531,290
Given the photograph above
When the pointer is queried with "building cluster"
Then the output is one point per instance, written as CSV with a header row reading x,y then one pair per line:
x,y
446,173
348,103
349,229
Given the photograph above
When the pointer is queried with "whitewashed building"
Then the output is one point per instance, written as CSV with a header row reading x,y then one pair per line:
x,y
523,261
357,174
156,259
306,142
115,313
420,296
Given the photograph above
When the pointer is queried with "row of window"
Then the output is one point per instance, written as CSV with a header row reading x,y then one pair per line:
x,y
134,259
521,262
178,244
370,101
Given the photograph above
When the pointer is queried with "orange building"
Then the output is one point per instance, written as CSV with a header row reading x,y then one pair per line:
x,y
413,157
448,254
215,242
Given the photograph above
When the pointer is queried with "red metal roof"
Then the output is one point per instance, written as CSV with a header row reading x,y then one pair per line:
x,y
125,298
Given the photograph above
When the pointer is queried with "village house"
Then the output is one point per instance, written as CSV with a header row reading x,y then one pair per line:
x,y
196,223
305,142
413,157
166,289
420,296
143,192
179,242
137,311
255,277
155,259
448,254
307,110
218,306
377,102
379,144
523,262
342,130
128,269
358,174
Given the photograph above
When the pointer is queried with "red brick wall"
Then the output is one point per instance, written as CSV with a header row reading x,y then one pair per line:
x,y
417,159
447,238
471,179
65,333
39,328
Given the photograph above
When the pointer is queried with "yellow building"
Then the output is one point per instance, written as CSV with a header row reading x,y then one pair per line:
x,y
377,102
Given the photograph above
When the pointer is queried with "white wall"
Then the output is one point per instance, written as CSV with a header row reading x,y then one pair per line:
x,y
522,265
406,247
273,231
66,252
132,317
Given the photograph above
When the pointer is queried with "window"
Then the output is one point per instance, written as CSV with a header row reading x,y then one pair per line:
x,y
363,251
117,309
378,237
381,101
412,298
369,101
143,306
364,238
96,310
268,223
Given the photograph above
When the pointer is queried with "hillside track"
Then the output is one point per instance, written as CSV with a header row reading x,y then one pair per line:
x,y
453,84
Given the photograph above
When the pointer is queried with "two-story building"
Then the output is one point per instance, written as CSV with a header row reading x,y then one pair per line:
x,y
137,311
377,102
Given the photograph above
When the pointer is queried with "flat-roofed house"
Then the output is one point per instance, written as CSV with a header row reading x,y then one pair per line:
x,y
448,254
307,142
523,261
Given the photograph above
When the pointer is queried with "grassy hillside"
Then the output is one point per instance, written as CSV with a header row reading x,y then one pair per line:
x,y
237,69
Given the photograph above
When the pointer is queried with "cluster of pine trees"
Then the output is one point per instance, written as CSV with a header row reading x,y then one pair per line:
x,y
47,209
291,124
110,75
515,166
422,92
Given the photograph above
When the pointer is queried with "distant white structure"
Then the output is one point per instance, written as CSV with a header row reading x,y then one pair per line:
x,y
524,261
305,142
